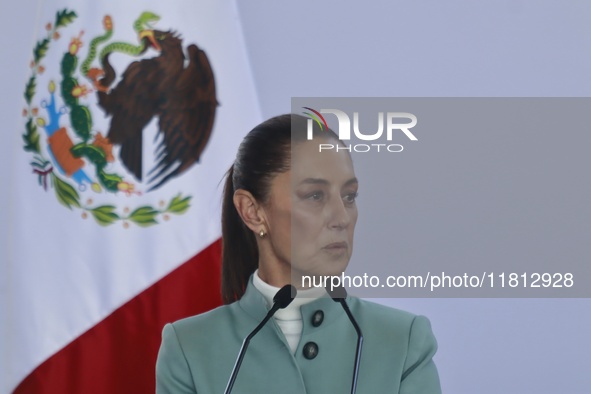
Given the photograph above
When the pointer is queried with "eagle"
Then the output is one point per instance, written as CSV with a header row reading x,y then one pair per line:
x,y
181,94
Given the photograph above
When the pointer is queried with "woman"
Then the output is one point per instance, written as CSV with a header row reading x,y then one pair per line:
x,y
289,211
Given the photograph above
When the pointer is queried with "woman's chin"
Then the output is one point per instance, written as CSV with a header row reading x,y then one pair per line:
x,y
334,266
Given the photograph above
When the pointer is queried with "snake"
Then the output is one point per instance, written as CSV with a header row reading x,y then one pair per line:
x,y
108,25
140,25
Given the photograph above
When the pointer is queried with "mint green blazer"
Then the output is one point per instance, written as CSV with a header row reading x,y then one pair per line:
x,y
197,354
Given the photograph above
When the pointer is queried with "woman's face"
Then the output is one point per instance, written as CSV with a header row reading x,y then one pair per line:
x,y
311,213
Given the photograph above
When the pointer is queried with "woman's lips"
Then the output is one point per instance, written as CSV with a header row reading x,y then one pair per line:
x,y
336,246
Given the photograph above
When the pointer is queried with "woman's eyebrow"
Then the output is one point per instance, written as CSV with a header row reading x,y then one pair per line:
x,y
314,181
321,181
351,182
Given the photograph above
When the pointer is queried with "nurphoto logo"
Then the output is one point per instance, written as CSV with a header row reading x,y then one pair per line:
x,y
395,122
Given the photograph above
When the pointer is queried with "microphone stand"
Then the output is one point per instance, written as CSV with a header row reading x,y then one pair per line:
x,y
282,299
339,295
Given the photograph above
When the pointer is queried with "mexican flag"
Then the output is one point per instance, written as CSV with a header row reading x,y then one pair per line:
x,y
123,118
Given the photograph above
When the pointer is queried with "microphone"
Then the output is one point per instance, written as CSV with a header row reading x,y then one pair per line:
x,y
339,294
282,299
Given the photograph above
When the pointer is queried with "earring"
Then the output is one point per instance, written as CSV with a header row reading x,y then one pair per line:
x,y
262,233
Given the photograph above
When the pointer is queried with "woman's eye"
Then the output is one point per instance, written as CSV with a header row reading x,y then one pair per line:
x,y
350,198
316,196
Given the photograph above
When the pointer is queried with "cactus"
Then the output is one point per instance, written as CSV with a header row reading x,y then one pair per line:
x,y
81,120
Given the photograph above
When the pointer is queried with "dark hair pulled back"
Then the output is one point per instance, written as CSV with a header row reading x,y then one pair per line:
x,y
264,153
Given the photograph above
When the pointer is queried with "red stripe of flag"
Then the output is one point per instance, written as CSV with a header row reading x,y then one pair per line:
x,y
118,355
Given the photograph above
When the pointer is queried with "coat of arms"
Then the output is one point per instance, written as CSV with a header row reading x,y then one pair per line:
x,y
174,89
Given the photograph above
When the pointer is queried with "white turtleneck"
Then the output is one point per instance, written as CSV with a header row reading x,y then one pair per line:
x,y
288,319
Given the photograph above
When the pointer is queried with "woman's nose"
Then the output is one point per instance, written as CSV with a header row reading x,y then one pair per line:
x,y
339,214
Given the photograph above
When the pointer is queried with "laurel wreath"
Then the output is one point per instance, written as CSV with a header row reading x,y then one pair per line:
x,y
67,195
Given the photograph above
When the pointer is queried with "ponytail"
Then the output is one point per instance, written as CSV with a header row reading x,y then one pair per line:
x,y
240,254
264,153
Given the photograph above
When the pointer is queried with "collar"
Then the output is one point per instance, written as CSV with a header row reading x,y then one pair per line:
x,y
253,302
292,311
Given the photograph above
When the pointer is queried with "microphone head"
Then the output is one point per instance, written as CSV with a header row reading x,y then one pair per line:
x,y
284,296
337,293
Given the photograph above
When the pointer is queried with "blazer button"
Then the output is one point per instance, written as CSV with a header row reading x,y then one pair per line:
x,y
310,350
317,318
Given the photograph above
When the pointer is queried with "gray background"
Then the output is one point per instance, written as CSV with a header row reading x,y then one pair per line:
x,y
446,48
492,186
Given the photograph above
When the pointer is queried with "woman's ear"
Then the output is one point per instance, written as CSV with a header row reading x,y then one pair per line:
x,y
249,210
